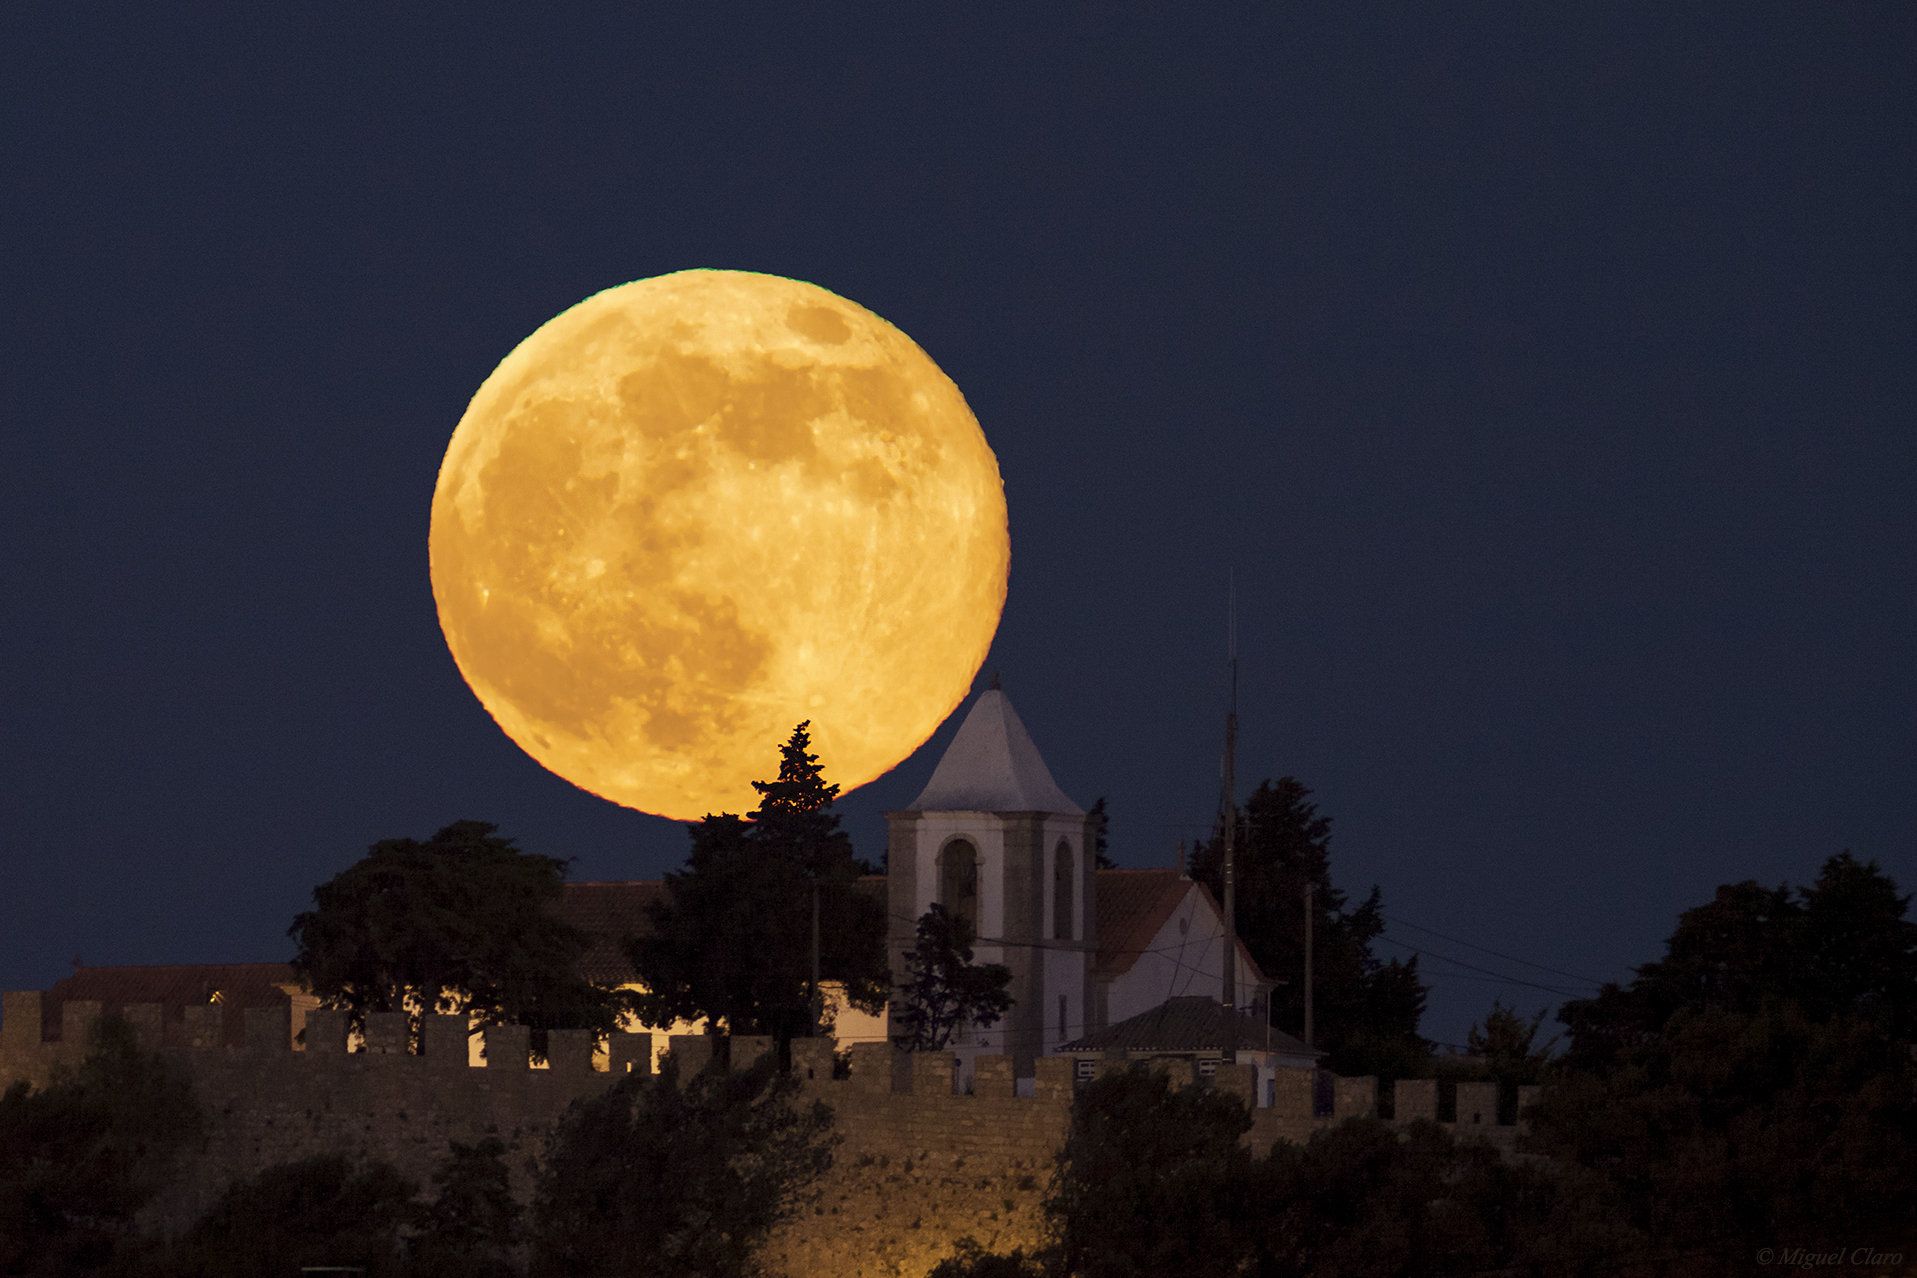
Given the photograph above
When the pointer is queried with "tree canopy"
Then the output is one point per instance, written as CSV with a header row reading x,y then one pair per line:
x,y
1365,1010
318,1211
1840,947
663,1175
460,923
1101,844
1756,1083
732,941
1153,1180
80,1157
944,989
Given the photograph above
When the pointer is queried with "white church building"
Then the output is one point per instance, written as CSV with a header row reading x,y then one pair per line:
x,y
992,837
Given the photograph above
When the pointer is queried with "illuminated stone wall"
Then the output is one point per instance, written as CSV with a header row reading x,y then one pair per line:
x,y
919,1166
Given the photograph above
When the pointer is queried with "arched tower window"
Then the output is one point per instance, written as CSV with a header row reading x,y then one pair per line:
x,y
1062,891
958,880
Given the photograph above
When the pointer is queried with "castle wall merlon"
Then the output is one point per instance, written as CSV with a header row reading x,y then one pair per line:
x,y
632,1054
508,1047
386,1034
269,1029
204,1025
20,1012
444,1038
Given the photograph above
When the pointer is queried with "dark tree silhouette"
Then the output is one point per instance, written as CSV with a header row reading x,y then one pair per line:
x,y
80,1157
1100,844
1756,1082
654,1177
1366,1011
319,1211
943,988
473,1227
1152,1180
733,941
458,924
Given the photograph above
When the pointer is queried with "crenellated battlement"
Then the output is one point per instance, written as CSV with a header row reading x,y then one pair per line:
x,y
271,1100
576,1064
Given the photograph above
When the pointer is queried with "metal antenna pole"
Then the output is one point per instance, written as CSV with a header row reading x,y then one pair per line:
x,y
1230,999
1309,888
817,1011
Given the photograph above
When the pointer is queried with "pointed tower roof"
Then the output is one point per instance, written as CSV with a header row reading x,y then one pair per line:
x,y
992,766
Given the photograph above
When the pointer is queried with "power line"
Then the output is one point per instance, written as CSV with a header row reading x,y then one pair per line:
x,y
1500,976
1576,976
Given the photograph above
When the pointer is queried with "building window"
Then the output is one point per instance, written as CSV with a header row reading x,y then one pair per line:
x,y
958,880
1208,1067
1085,1069
1062,891
1063,1034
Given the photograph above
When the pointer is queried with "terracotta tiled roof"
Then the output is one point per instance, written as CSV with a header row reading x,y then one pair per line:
x,y
1191,1023
1132,905
610,912
175,988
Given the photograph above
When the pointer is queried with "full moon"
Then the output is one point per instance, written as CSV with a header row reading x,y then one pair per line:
x,y
691,512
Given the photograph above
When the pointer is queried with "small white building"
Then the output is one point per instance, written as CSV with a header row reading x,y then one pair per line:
x,y
1201,1030
1162,935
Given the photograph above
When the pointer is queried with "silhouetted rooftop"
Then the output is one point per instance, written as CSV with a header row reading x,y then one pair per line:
x,y
1189,1024
175,987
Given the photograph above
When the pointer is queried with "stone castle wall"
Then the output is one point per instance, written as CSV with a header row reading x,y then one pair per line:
x,y
919,1166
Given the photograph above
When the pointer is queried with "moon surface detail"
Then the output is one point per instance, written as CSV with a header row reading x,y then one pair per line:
x,y
694,510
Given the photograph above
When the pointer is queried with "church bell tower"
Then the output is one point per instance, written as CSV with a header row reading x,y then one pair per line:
x,y
992,837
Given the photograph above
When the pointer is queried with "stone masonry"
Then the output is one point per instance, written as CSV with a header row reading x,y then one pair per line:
x,y
919,1165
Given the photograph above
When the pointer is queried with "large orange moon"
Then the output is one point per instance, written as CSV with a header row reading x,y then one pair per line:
x,y
694,510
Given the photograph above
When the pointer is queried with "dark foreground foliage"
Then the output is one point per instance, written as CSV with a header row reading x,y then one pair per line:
x,y
472,1230
655,1178
1755,1086
1753,1089
320,1211
1151,1180
79,1158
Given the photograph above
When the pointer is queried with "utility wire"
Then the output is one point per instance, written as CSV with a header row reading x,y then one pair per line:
x,y
1578,976
1509,980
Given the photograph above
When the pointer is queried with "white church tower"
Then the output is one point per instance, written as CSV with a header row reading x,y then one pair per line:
x,y
993,838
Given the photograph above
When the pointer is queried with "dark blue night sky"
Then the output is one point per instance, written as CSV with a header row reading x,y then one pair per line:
x,y
1545,376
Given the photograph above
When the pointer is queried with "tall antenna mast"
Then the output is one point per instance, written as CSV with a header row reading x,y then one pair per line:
x,y
1230,998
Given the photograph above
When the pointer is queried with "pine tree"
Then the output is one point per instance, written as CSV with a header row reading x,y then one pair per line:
x,y
1099,842
733,943
1366,1011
